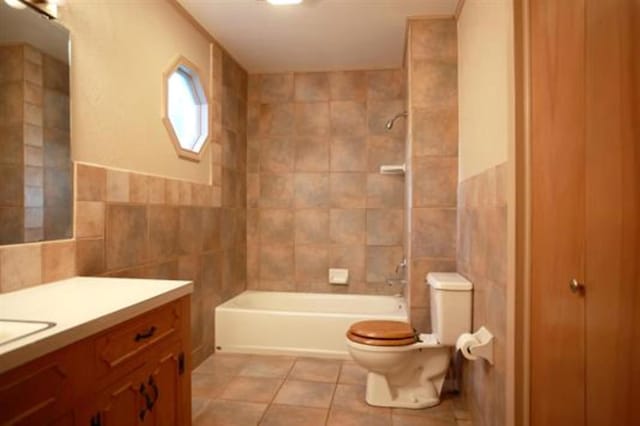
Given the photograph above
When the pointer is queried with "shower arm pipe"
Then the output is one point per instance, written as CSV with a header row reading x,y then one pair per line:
x,y
390,123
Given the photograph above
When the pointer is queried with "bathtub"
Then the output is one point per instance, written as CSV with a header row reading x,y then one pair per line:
x,y
314,324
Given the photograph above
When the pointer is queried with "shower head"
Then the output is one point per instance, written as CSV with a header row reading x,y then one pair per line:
x,y
390,123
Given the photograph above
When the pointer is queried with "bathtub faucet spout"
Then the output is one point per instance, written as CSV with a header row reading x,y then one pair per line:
x,y
396,281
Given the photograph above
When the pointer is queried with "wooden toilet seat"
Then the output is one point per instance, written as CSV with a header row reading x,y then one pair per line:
x,y
382,333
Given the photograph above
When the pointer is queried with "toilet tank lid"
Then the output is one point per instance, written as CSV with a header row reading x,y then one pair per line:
x,y
451,281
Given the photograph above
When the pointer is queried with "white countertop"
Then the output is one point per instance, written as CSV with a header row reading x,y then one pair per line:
x,y
79,307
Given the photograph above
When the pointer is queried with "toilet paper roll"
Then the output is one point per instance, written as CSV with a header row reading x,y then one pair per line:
x,y
464,343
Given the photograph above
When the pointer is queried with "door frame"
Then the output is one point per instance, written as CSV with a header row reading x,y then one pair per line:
x,y
522,297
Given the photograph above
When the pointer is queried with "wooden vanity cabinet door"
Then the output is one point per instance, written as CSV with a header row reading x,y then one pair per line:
x,y
173,403
118,405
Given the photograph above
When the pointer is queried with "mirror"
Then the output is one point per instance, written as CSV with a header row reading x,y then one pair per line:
x,y
35,162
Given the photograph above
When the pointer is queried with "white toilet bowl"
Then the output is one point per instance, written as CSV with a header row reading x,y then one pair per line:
x,y
409,376
408,370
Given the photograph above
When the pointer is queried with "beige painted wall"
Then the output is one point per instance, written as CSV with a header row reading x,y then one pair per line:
x,y
119,51
485,85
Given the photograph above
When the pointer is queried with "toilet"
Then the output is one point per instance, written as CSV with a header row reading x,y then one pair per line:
x,y
407,369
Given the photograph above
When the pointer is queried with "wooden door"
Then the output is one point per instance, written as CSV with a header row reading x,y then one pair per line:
x,y
612,213
557,353
585,164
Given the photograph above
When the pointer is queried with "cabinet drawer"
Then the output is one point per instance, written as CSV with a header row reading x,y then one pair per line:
x,y
124,343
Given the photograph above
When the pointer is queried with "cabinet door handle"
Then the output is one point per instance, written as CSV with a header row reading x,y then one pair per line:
x,y
156,392
96,420
145,334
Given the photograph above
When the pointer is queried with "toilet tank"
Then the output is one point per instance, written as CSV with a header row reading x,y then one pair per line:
x,y
450,306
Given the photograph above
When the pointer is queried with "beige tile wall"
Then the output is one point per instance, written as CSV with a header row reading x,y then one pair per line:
x,y
482,258
133,225
315,198
432,156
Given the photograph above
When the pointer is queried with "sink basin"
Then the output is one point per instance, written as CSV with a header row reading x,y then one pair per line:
x,y
11,330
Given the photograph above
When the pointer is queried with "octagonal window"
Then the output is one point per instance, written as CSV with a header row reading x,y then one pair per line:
x,y
186,110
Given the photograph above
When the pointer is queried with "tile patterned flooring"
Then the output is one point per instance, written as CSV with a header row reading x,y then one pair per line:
x,y
245,390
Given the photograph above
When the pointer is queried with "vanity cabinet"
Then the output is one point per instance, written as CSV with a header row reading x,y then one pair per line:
x,y
135,373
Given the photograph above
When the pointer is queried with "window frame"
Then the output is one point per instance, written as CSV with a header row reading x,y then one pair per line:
x,y
188,68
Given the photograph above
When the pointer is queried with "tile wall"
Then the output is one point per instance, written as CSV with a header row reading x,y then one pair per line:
x,y
314,195
133,225
482,258
432,156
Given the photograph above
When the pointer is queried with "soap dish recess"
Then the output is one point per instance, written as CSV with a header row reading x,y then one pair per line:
x,y
393,169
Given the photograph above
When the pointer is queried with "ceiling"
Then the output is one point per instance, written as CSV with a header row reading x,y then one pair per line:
x,y
319,35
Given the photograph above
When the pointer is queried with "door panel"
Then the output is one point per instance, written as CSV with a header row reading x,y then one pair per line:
x,y
557,216
612,212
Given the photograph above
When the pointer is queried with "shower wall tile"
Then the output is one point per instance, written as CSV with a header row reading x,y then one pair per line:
x,y
385,227
275,226
11,142
312,226
315,188
434,39
434,232
435,181
381,111
312,118
312,153
311,190
381,263
348,190
348,118
276,262
432,158
276,88
349,153
385,84
311,264
311,87
435,132
276,191
347,226
276,119
384,150
385,191
348,85
277,154
352,258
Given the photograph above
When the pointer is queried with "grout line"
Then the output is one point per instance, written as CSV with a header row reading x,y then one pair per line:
x,y
275,394
333,395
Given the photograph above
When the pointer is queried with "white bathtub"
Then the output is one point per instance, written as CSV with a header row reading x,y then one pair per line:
x,y
278,323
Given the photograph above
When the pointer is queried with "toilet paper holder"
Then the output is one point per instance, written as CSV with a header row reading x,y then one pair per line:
x,y
476,345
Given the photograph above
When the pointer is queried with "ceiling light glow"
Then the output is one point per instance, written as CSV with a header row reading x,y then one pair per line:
x,y
283,2
16,4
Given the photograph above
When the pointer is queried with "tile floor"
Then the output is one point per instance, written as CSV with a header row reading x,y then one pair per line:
x,y
245,390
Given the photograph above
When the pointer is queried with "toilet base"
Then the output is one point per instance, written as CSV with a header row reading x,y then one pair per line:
x,y
380,394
